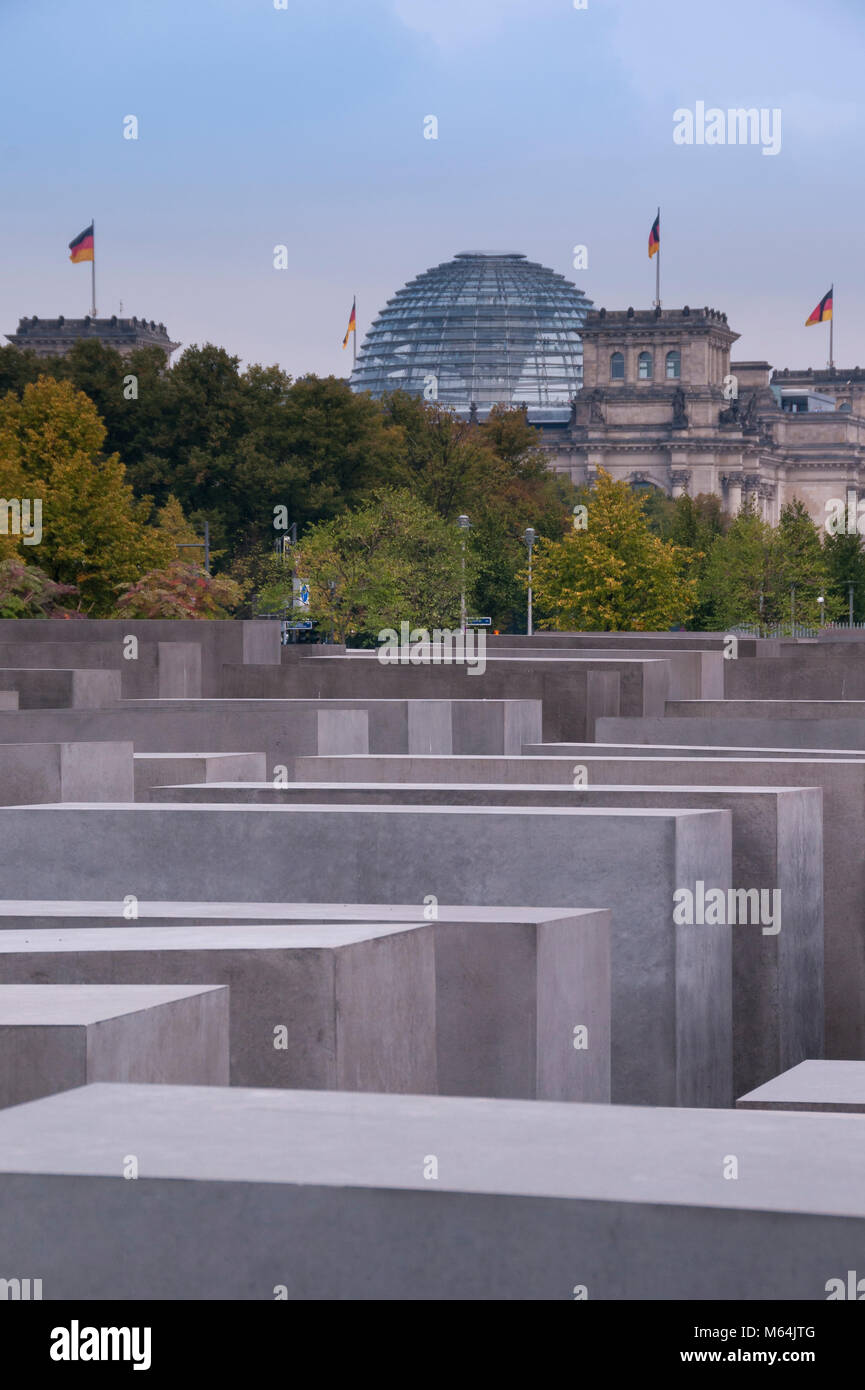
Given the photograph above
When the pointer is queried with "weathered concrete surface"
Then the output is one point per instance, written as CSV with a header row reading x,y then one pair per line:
x,y
589,693
157,669
62,689
255,1194
720,730
356,1002
220,639
648,642
573,692
158,769
512,985
812,1085
54,1036
843,784
791,677
774,710
777,848
404,726
672,1028
693,675
280,728
48,772
682,749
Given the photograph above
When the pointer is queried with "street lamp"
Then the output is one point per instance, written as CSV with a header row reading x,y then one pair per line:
x,y
463,523
529,538
822,602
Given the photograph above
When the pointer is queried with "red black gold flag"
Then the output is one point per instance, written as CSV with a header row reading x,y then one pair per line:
x,y
352,324
655,237
81,249
823,312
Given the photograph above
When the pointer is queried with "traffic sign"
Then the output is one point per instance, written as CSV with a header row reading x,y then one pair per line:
x,y
479,622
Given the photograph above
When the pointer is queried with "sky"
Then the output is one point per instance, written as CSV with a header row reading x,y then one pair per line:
x,y
303,126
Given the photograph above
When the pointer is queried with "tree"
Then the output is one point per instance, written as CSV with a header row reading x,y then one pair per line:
x,y
179,591
752,568
695,525
845,565
801,563
613,576
391,560
94,533
26,592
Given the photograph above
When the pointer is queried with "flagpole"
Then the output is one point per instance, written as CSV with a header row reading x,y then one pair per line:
x,y
658,266
93,274
831,336
354,334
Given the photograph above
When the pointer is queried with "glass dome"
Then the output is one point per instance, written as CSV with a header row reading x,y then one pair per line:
x,y
488,327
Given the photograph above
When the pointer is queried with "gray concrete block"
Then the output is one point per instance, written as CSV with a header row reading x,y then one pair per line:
x,y
48,772
683,749
693,675
843,784
220,640
812,1085
280,729
512,984
54,1036
356,1002
157,668
761,733
310,1196
161,769
572,692
671,985
62,689
777,849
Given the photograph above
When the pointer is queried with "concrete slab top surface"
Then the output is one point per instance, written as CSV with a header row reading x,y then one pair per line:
x,y
62,1005
838,1085
502,788
676,750
252,936
806,1164
260,912
158,808
194,753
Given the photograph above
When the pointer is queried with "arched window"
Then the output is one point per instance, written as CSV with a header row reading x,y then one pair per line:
x,y
644,366
617,367
674,365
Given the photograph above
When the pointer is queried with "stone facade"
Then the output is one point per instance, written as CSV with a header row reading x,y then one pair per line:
x,y
54,337
662,405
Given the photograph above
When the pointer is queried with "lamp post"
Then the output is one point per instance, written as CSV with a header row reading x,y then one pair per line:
x,y
529,538
850,603
822,602
463,523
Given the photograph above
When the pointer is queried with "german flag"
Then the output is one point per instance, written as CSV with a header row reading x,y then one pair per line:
x,y
352,323
81,249
823,312
655,237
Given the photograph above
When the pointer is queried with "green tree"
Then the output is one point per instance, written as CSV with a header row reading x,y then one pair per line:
x,y
845,565
94,533
390,560
615,575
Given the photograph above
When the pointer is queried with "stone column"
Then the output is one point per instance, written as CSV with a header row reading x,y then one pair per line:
x,y
733,484
751,484
679,479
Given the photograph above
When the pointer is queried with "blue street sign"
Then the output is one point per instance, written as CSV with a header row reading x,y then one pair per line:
x,y
479,622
